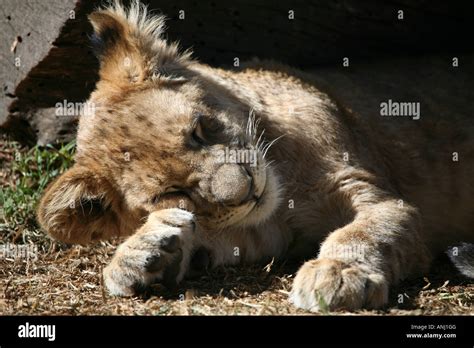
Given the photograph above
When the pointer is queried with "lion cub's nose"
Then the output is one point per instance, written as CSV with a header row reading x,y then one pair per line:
x,y
232,184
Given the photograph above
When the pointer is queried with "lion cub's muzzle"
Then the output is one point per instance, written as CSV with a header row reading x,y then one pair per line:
x,y
233,185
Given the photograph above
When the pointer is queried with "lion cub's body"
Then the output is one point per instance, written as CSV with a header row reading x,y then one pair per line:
x,y
381,193
427,162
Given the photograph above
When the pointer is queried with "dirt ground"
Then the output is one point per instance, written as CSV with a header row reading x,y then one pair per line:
x,y
67,281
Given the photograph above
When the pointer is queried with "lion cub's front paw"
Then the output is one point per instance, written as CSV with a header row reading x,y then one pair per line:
x,y
158,252
326,284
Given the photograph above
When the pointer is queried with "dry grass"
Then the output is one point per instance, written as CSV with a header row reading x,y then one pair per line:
x,y
67,281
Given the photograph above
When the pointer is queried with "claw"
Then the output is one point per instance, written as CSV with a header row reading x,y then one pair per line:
x,y
170,244
154,263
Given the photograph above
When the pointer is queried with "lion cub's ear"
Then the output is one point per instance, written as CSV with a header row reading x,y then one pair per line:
x,y
129,45
78,208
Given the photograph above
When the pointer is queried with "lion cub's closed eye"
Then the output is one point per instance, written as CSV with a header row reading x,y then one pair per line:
x,y
174,199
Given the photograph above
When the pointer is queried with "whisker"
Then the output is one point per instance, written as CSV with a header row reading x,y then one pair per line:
x,y
268,164
255,127
270,144
259,139
247,129
252,126
250,123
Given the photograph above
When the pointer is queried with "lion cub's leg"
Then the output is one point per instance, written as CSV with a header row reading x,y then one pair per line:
x,y
159,251
358,262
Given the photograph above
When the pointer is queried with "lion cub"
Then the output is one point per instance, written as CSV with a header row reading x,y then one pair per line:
x,y
202,167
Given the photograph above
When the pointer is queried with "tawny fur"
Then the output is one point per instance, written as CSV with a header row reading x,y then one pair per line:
x,y
341,175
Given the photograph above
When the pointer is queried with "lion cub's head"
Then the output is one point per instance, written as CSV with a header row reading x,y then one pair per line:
x,y
161,134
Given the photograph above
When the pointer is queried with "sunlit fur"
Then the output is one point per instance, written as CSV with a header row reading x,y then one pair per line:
x,y
141,170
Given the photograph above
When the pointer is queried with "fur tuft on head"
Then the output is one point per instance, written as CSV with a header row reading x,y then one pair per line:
x,y
129,44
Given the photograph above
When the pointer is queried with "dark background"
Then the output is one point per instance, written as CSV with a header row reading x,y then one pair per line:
x,y
57,62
